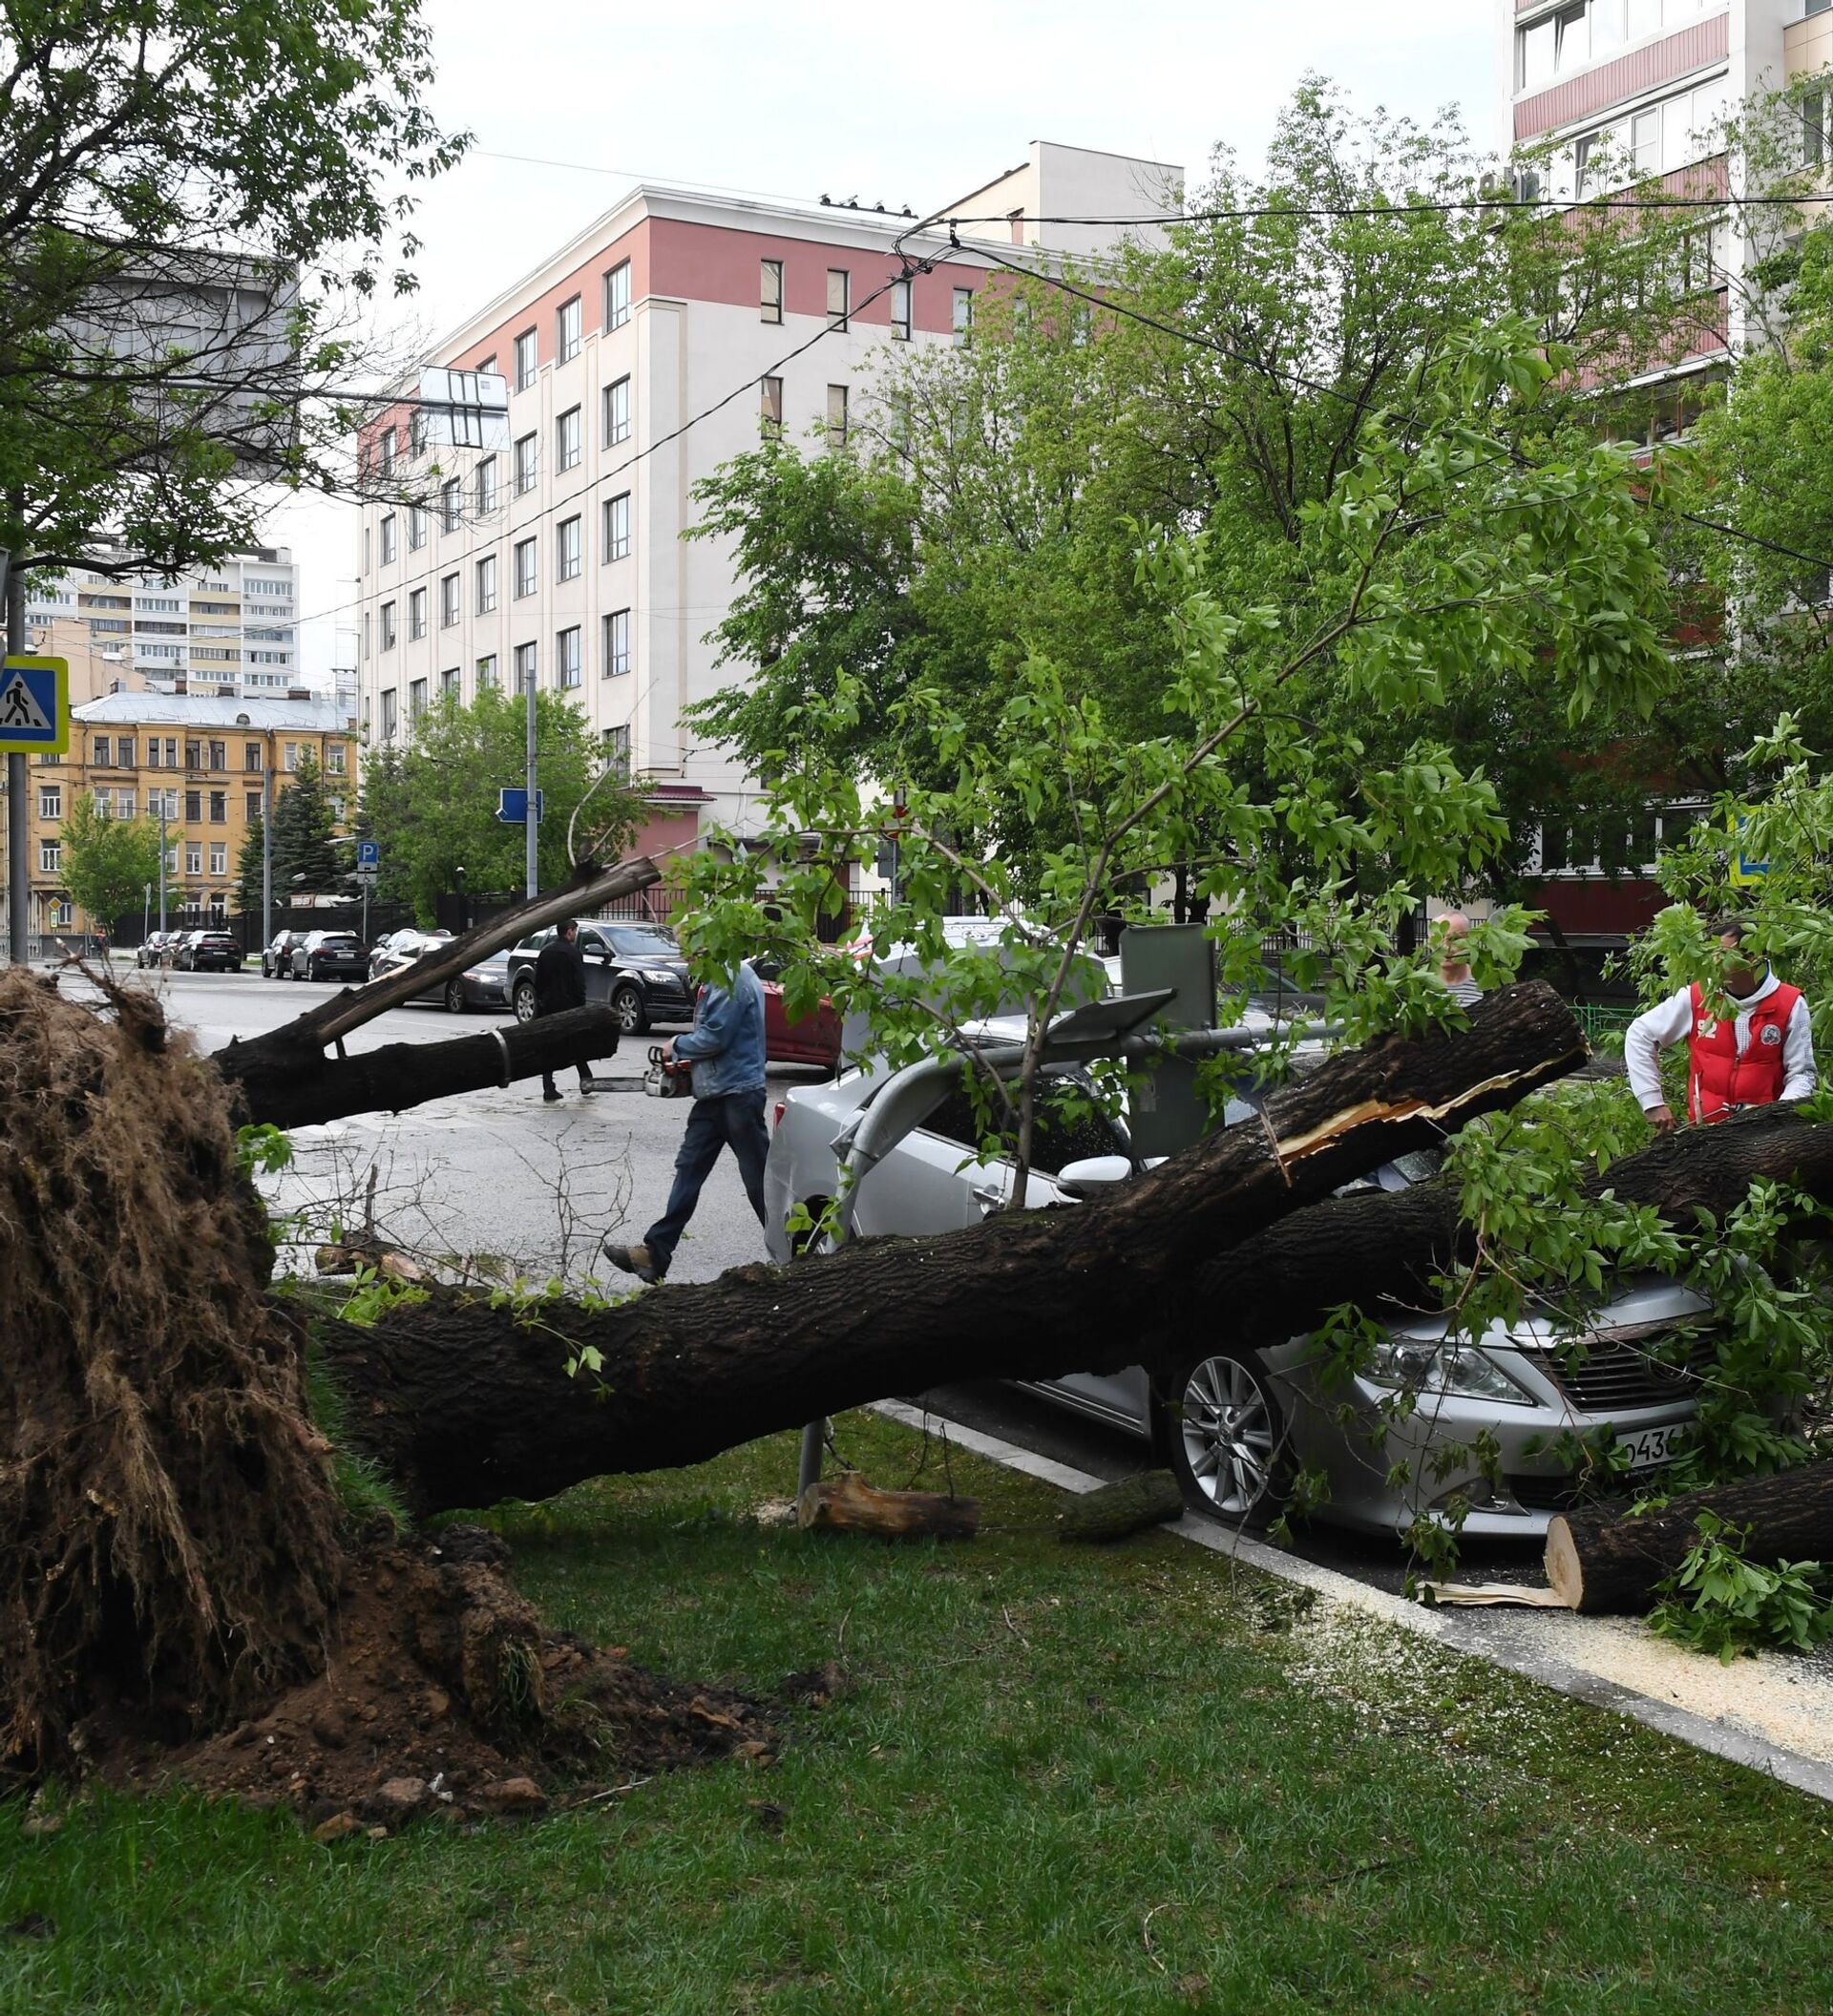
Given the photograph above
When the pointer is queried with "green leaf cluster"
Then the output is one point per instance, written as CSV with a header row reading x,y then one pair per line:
x,y
1718,1601
107,863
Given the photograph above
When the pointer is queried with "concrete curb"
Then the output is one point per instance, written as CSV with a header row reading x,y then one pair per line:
x,y
1446,1628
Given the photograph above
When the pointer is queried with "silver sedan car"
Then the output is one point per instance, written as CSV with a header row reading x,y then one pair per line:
x,y
1237,1424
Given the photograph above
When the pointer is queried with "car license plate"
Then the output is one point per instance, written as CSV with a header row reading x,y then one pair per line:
x,y
1652,1447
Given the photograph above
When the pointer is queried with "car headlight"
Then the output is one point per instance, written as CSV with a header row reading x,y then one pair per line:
x,y
1434,1365
660,977
477,973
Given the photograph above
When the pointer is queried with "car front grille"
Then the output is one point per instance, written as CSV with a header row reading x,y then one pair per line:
x,y
1611,1375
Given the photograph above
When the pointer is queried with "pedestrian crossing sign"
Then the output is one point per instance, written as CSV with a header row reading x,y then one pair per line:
x,y
34,705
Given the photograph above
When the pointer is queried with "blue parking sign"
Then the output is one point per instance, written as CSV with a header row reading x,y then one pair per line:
x,y
369,853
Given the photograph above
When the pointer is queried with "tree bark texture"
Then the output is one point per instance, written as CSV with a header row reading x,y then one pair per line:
x,y
300,1090
1129,1505
464,1404
1603,1561
848,1504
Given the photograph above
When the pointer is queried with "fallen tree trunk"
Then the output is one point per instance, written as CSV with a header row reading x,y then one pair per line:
x,y
848,1504
1381,1250
1606,1561
464,1404
304,1090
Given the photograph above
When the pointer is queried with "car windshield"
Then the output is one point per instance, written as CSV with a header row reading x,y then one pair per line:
x,y
643,944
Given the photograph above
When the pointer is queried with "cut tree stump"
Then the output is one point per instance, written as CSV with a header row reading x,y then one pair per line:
x,y
1605,1561
1128,1506
848,1504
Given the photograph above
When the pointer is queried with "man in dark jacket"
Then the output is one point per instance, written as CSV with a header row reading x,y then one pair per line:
x,y
559,984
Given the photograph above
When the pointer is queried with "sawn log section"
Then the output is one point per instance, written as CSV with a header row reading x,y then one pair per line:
x,y
465,1405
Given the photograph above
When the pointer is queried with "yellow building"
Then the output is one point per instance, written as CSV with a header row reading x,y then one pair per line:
x,y
202,758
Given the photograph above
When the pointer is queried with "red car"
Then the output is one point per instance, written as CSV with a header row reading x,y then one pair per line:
x,y
813,1039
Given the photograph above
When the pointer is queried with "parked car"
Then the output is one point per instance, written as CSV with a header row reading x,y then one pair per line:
x,y
403,948
150,948
637,968
327,956
810,1039
484,985
273,954
1235,1422
205,951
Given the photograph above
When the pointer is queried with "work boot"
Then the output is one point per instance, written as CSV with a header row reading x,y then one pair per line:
x,y
630,1260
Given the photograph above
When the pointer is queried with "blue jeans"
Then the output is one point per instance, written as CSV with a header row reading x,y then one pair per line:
x,y
734,1120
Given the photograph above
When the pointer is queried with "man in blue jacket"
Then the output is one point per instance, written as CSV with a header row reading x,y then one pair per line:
x,y
726,1046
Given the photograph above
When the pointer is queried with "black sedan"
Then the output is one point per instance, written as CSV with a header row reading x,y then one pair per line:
x,y
327,956
637,968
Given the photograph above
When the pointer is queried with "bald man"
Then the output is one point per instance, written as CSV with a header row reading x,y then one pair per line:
x,y
1454,968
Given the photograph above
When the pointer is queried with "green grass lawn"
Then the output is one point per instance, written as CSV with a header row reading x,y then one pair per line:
x,y
1063,1780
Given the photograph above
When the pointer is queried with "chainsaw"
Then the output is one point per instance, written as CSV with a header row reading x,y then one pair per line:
x,y
668,1077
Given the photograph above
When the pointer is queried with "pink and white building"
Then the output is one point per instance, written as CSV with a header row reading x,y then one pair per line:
x,y
639,357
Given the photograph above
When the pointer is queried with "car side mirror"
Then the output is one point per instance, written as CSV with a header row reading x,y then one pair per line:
x,y
1092,1173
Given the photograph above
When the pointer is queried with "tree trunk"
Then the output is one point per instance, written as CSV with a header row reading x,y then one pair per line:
x,y
848,1504
303,1089
1126,1506
1603,1561
464,1404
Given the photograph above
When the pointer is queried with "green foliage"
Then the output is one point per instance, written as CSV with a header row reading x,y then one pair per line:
x,y
251,868
432,807
1718,1601
263,1150
305,850
107,863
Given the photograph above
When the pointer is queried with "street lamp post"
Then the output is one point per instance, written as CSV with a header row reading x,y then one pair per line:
x,y
464,914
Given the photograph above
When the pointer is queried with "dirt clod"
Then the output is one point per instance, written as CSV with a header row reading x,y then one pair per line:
x,y
338,1828
509,1797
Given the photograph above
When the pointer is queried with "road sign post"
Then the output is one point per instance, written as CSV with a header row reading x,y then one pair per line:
x,y
34,720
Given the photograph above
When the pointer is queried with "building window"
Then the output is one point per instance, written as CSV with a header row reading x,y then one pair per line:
x,y
251,805
219,858
1644,142
528,358
416,527
124,805
839,296
771,290
448,600
772,404
387,714
617,413
569,439
194,755
964,323
334,758
50,800
487,486
524,668
567,658
387,450
387,538
50,856
569,545
251,756
617,526
124,752
525,465
101,749
900,310
416,432
193,808
569,321
837,412
418,613
218,755
617,643
194,857
449,683
617,295
524,568
614,742
487,584
449,505
417,698
289,756
218,807
487,671
388,626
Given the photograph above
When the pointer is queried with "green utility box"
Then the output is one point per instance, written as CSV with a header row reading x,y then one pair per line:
x,y
1166,1112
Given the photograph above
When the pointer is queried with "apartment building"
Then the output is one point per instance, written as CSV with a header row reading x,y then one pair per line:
x,y
201,758
233,626
639,356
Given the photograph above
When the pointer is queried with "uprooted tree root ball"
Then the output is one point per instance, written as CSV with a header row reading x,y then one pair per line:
x,y
178,1591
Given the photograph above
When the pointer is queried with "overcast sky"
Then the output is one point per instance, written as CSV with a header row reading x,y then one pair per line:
x,y
900,106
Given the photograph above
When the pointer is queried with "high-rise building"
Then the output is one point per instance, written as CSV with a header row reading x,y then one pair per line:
x,y
641,356
231,627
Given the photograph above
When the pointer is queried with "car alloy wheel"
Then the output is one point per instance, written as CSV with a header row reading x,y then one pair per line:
x,y
525,1001
455,997
626,1004
1223,1432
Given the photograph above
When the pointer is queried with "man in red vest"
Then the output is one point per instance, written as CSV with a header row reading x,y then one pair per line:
x,y
1765,1054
